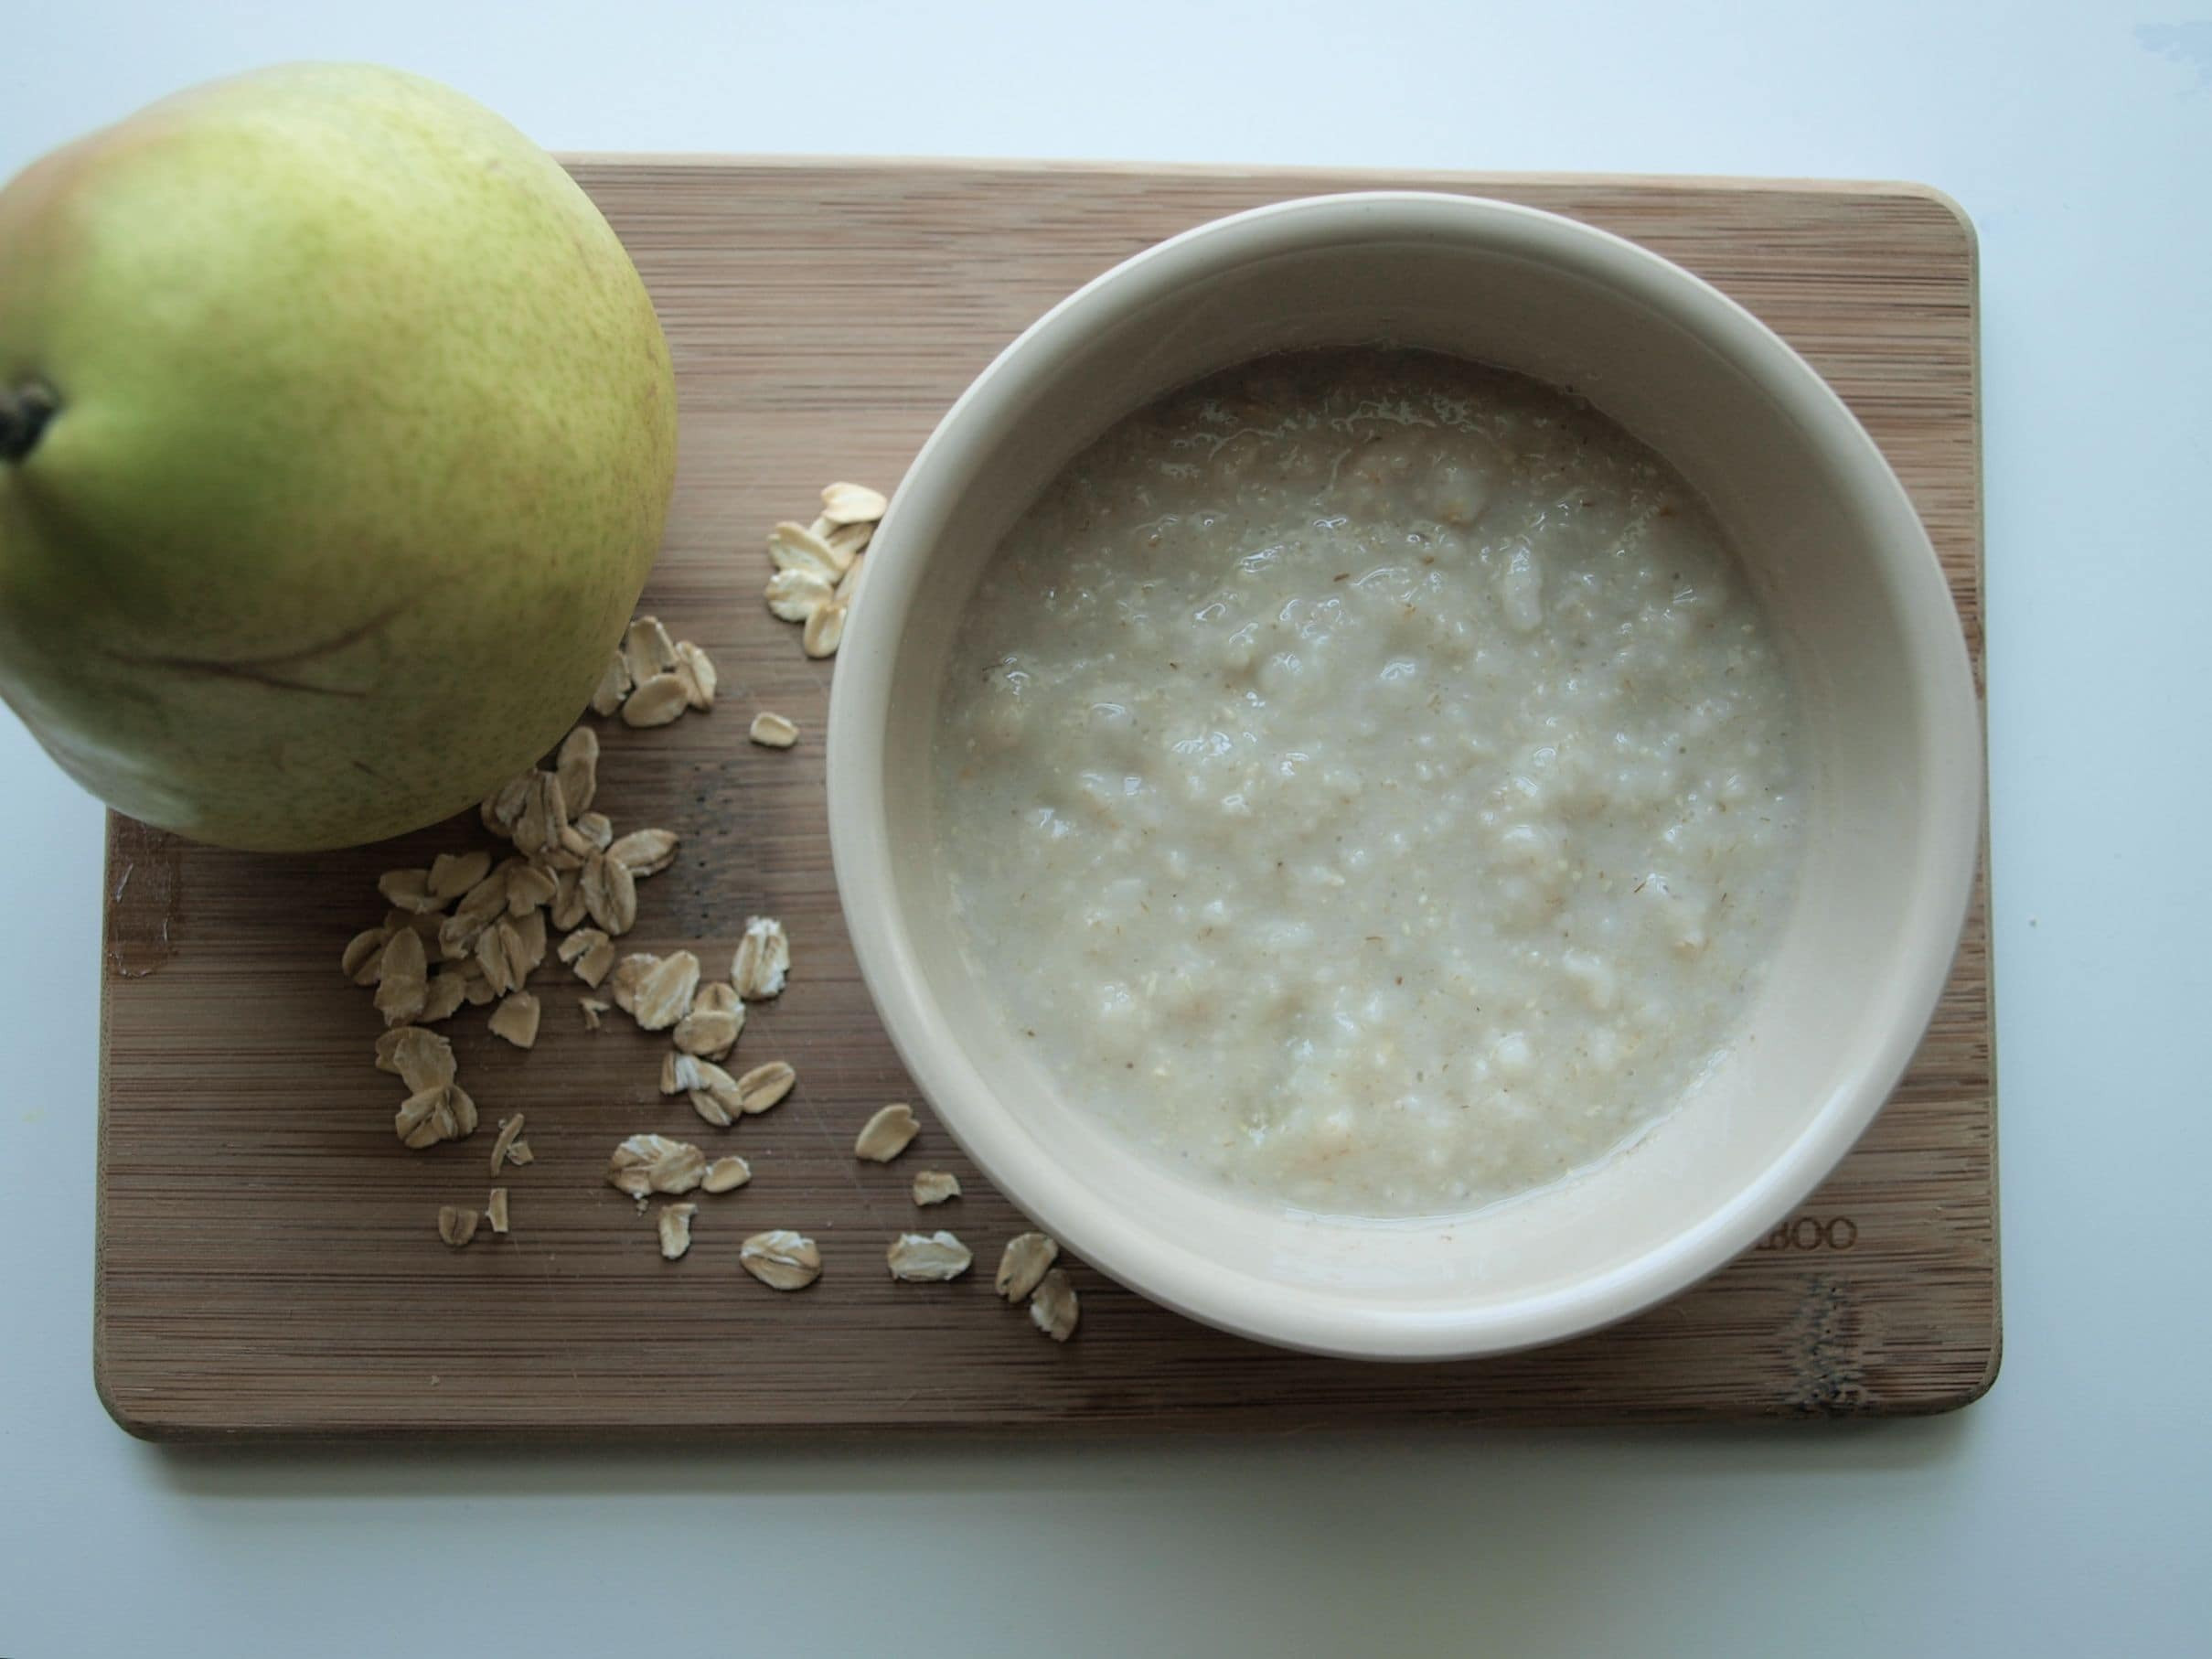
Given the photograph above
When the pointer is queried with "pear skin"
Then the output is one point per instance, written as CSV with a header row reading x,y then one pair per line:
x,y
336,437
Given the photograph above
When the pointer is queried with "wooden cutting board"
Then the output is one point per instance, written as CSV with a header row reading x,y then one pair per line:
x,y
269,1262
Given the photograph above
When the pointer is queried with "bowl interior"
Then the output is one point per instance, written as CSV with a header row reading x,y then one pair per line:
x,y
1867,626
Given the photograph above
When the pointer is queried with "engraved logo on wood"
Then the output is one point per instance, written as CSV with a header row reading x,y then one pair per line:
x,y
1811,1233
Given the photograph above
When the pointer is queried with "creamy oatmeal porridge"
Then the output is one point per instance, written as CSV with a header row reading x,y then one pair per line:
x,y
1370,782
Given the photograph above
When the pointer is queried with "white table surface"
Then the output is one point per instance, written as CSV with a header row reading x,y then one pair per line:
x,y
2067,1513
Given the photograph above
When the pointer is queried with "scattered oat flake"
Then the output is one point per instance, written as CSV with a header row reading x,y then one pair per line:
x,y
402,982
762,960
654,1163
763,1087
420,1059
498,952
567,909
504,805
530,888
853,504
849,584
389,1045
522,942
795,596
362,953
621,983
936,1186
577,767
657,701
593,1011
646,649
710,1030
519,1153
675,1224
456,1226
592,965
726,1174
793,547
710,1110
887,1134
610,894
510,1133
839,544
516,1018
408,890
696,669
1053,1306
544,815
476,989
846,543
664,991
371,969
528,944
825,630
489,958
479,907
443,1112
927,1257
457,937
589,954
418,1124
713,1092
448,989
494,1209
613,686
454,873
644,851
717,1099
773,731
566,855
596,827
1023,1265
781,1260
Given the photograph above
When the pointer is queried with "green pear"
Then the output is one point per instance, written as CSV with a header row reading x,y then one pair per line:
x,y
337,435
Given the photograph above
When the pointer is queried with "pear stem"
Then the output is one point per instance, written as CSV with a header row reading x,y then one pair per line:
x,y
25,412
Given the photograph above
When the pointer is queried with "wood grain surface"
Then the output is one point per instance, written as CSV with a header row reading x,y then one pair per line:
x,y
269,1261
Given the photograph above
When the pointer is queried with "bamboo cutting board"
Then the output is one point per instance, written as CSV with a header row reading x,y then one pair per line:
x,y
269,1262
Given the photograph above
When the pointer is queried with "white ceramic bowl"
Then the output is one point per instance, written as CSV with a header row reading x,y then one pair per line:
x,y
1867,623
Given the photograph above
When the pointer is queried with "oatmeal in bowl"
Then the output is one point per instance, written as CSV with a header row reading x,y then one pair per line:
x,y
1369,782
1408,778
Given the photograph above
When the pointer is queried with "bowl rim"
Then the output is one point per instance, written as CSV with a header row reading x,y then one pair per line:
x,y
1946,709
